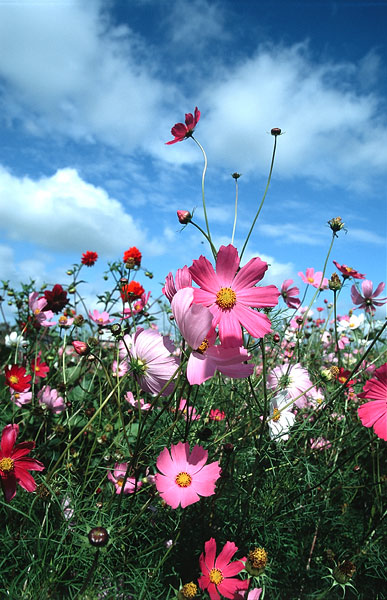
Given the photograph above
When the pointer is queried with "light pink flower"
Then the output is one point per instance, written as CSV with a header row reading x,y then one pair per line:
x,y
189,412
139,404
367,300
49,397
230,293
182,280
20,398
294,380
290,294
314,279
254,594
36,305
118,478
184,476
148,357
320,443
65,321
374,413
102,318
218,573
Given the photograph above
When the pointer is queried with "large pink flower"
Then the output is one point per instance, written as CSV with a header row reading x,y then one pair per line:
x,y
314,279
218,573
367,300
50,397
229,293
181,131
14,465
185,477
374,413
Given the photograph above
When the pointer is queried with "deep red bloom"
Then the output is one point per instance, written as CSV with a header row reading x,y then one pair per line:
x,y
89,258
131,291
181,131
374,413
40,369
218,573
56,298
17,379
14,466
348,271
132,257
342,377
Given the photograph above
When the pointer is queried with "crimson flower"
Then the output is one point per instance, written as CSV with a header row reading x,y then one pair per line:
x,y
218,573
342,377
132,257
89,258
374,413
40,369
348,271
17,379
132,291
181,131
367,300
14,466
56,298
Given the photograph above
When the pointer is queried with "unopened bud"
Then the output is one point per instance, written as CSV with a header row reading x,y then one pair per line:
x,y
336,224
334,282
276,338
115,329
184,216
79,320
275,131
80,348
98,536
149,274
236,175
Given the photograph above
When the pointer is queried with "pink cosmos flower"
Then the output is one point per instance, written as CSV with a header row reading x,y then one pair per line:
x,y
50,398
20,398
290,294
182,280
254,594
230,293
195,324
148,357
36,304
189,412
294,380
367,300
181,131
216,415
218,573
314,279
184,476
139,404
320,443
348,271
118,478
136,306
14,465
102,318
374,413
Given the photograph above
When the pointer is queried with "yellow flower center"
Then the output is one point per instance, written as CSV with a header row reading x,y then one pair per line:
x,y
14,379
62,320
216,576
258,558
276,414
120,481
6,465
226,298
310,279
203,346
36,311
189,590
183,479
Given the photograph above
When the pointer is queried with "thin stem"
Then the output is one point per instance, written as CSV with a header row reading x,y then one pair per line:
x,y
335,325
203,194
207,238
236,211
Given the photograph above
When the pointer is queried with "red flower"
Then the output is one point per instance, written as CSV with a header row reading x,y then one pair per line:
x,y
132,257
89,258
181,131
40,369
348,271
131,291
56,299
14,466
17,379
218,573
342,377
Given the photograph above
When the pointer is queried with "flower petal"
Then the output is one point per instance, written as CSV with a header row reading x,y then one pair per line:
x,y
227,264
250,274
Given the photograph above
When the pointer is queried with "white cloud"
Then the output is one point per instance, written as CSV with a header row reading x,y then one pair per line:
x,y
290,233
368,237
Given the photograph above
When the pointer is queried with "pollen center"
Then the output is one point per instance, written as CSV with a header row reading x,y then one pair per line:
x,y
183,479
120,481
226,298
203,346
276,414
14,379
310,279
216,576
6,465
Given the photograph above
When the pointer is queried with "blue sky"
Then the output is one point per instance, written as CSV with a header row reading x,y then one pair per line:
x,y
90,90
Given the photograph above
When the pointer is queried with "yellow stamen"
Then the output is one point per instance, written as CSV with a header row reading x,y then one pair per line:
x,y
310,279
6,464
276,414
189,590
183,479
226,298
216,576
258,558
120,481
14,379
203,346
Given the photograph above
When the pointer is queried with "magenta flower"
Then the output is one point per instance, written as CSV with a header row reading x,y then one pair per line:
x,y
218,573
314,279
181,131
102,318
36,304
118,478
184,476
290,294
254,594
367,300
374,413
348,272
229,293
182,280
189,412
148,357
50,398
293,380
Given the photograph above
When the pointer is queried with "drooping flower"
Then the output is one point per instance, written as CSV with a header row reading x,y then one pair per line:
x,y
148,357
36,305
131,291
367,300
14,465
314,279
50,397
184,476
17,379
102,318
374,413
218,572
118,478
89,258
230,293
132,257
41,369
290,294
20,398
181,131
56,298
282,417
292,379
182,280
348,272
139,404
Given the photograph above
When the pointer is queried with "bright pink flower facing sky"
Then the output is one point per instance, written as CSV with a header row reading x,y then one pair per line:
x,y
181,131
102,318
314,279
374,413
14,465
367,300
184,476
230,294
218,573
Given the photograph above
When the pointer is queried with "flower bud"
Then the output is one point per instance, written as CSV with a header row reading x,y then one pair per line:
x,y
236,175
80,348
184,216
256,561
344,571
275,131
79,320
276,338
334,282
115,329
149,274
336,224
98,536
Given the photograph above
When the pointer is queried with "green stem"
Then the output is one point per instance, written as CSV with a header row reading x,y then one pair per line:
x,y
236,211
203,195
336,336
207,238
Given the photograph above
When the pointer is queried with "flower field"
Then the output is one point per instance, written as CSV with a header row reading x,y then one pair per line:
x,y
225,439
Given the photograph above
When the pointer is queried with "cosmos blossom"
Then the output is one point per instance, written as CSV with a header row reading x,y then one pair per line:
x,y
282,417
139,404
50,397
292,379
41,369
374,413
230,294
181,131
17,378
182,280
132,257
89,258
218,572
314,279
289,294
56,298
20,398
36,305
131,291
184,475
367,300
14,465
348,271
118,478
102,318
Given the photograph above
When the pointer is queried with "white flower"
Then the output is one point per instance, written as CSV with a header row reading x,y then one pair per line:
x,y
281,418
13,339
353,323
